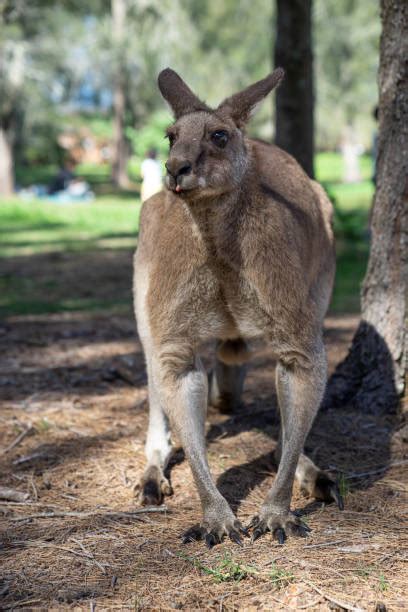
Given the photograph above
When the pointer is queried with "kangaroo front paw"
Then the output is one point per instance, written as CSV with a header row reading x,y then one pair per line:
x,y
153,487
214,527
280,525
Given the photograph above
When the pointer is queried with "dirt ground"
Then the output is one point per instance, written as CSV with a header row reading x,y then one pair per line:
x,y
72,425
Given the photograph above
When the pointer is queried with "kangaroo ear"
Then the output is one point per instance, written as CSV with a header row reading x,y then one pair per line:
x,y
180,97
241,105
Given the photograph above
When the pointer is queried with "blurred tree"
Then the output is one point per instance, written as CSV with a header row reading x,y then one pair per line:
x,y
294,97
128,46
232,50
35,77
119,160
373,375
59,61
346,66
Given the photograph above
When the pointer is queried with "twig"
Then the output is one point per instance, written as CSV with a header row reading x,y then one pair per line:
x,y
309,605
112,514
85,554
29,503
13,495
337,602
90,555
18,604
34,487
17,440
332,543
28,458
378,470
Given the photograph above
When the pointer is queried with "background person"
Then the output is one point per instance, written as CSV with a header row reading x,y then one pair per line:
x,y
151,172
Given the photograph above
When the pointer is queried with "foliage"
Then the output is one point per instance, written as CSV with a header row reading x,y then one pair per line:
x,y
279,577
150,136
51,55
226,570
346,51
35,76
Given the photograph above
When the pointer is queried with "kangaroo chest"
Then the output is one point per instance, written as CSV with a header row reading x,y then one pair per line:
x,y
224,304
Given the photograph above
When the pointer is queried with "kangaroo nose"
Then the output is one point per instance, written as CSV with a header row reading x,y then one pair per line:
x,y
176,166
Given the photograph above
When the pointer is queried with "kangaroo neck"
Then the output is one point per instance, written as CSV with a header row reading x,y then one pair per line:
x,y
218,220
215,219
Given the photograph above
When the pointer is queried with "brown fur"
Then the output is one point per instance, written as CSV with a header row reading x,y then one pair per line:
x,y
240,246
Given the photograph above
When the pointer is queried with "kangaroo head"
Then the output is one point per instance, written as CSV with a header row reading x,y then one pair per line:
x,y
208,156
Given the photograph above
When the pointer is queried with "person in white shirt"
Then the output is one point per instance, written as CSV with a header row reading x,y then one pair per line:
x,y
151,172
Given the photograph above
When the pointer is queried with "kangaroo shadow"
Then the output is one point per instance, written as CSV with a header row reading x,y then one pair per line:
x,y
351,435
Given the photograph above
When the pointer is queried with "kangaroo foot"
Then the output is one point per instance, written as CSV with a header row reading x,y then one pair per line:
x,y
316,483
280,525
322,487
214,527
153,487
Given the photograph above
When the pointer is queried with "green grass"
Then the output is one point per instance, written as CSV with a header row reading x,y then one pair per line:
x,y
40,227
280,577
370,571
110,223
329,167
226,570
352,203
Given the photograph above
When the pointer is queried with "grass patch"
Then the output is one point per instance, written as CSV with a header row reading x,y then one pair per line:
x,y
343,486
279,577
229,570
226,570
370,571
383,583
329,167
41,227
110,224
352,258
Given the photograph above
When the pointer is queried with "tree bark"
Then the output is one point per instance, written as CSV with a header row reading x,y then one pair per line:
x,y
119,161
295,97
374,372
6,163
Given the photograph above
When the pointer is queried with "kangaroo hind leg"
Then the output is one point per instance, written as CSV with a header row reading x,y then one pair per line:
x,y
154,484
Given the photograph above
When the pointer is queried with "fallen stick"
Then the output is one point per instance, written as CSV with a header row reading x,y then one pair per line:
x,y
378,470
85,554
28,458
337,602
20,437
13,495
311,604
90,555
322,544
112,514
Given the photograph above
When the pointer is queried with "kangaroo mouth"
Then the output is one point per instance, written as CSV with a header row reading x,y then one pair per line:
x,y
179,189
182,185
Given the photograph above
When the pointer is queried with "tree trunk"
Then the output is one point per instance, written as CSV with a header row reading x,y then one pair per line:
x,y
374,372
6,163
294,98
119,161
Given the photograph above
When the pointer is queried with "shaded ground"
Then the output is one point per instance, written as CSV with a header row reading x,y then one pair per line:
x,y
76,383
72,427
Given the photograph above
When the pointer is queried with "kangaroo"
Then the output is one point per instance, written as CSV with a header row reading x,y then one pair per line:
x,y
238,247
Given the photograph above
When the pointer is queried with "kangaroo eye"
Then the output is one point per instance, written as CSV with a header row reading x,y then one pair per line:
x,y
220,138
171,138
